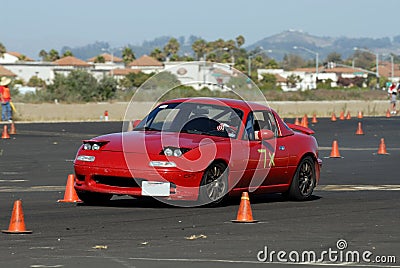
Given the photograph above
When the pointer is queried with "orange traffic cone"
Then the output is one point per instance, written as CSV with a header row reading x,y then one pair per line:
x,y
5,134
296,122
359,129
70,195
360,115
244,214
335,150
17,223
341,117
333,117
348,116
388,115
314,119
304,121
13,131
382,147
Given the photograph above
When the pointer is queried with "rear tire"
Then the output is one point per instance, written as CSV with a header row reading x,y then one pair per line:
x,y
214,184
92,198
304,180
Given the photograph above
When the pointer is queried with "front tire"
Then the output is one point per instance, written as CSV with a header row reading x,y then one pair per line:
x,y
92,198
304,180
214,184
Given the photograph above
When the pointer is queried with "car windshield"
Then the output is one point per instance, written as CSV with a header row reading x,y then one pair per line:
x,y
194,118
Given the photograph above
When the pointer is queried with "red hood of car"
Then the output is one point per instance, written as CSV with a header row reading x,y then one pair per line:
x,y
152,142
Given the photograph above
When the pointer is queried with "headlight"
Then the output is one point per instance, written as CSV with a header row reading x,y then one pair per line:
x,y
173,151
95,146
87,146
177,152
168,151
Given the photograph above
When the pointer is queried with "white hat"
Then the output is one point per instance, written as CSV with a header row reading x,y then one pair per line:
x,y
5,81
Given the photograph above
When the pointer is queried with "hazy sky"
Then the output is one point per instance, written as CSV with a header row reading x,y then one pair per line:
x,y
29,26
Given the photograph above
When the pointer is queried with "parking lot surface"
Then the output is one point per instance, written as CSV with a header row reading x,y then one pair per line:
x,y
356,205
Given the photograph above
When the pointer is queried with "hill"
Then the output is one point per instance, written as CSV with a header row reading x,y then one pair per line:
x,y
280,44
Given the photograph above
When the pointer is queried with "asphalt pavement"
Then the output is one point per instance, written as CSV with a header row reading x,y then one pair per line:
x,y
355,209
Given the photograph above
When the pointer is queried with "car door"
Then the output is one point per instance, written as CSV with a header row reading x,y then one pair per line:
x,y
268,159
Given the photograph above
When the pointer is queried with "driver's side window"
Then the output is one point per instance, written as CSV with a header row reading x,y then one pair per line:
x,y
258,120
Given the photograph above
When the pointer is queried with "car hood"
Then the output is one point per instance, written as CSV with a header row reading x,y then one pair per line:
x,y
152,142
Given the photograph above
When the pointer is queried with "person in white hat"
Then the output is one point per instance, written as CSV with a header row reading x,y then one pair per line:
x,y
5,98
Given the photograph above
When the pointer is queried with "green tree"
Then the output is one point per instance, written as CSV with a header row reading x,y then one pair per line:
x,y
239,41
267,82
43,54
78,86
293,80
106,88
164,80
35,81
53,55
364,60
99,59
67,53
2,50
199,47
291,61
172,47
272,64
157,54
127,55
334,57
136,79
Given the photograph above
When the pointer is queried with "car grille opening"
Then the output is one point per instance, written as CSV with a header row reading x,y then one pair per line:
x,y
118,181
80,177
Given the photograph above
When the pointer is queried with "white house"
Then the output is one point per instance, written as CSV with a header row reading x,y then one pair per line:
x,y
147,65
25,70
13,57
199,74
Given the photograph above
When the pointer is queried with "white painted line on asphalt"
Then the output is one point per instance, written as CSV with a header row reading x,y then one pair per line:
x,y
13,180
344,264
5,189
342,188
46,266
10,173
329,188
356,149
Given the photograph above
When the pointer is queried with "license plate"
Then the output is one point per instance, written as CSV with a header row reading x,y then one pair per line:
x,y
155,188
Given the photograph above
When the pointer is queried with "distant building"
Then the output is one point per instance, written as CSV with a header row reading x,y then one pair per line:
x,y
199,75
13,57
146,64
6,72
67,64
25,70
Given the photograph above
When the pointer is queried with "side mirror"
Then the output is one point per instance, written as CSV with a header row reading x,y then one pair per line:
x,y
136,123
265,134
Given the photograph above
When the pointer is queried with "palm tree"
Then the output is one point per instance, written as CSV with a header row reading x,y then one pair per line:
x,y
43,54
240,41
53,55
99,59
172,47
127,55
157,54
199,47
2,50
67,53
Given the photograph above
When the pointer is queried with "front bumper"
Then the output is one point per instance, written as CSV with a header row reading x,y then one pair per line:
x,y
184,185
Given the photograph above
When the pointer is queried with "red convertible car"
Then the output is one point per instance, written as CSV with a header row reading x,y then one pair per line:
x,y
200,149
